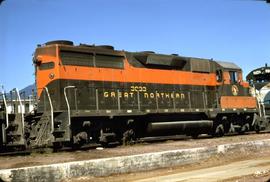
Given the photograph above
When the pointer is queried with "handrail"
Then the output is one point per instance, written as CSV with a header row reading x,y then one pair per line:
x,y
51,106
6,109
30,97
21,106
68,107
263,107
258,102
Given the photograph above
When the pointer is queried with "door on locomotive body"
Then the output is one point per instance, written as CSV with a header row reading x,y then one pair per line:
x,y
76,71
215,94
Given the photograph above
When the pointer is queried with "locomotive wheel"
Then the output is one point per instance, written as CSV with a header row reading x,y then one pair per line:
x,y
128,137
245,128
219,131
257,128
257,123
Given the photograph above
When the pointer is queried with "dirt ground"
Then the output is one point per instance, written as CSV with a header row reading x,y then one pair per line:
x,y
51,158
265,177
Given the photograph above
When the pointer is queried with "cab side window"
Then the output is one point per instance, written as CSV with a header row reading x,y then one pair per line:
x,y
219,76
233,76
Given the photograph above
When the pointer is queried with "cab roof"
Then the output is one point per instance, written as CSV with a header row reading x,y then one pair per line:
x,y
228,65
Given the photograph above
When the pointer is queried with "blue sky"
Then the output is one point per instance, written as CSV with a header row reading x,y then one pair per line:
x,y
226,30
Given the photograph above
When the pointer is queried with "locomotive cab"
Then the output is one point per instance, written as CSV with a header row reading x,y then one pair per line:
x,y
233,91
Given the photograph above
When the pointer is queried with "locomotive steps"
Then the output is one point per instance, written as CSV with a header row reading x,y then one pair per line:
x,y
131,163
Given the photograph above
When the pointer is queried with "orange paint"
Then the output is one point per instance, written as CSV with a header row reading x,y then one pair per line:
x,y
132,74
231,102
226,78
43,76
244,84
128,74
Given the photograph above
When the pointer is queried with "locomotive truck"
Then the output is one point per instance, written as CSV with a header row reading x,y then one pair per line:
x,y
89,93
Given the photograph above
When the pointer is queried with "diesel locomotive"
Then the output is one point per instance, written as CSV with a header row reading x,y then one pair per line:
x,y
259,80
89,93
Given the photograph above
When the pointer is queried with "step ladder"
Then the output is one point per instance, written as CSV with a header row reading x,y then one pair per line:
x,y
62,131
13,123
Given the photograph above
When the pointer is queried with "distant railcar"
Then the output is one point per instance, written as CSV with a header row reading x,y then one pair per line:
x,y
259,79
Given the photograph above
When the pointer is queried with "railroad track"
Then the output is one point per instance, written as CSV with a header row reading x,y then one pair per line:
x,y
145,141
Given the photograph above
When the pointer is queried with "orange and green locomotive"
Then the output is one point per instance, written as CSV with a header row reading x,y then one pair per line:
x,y
89,93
